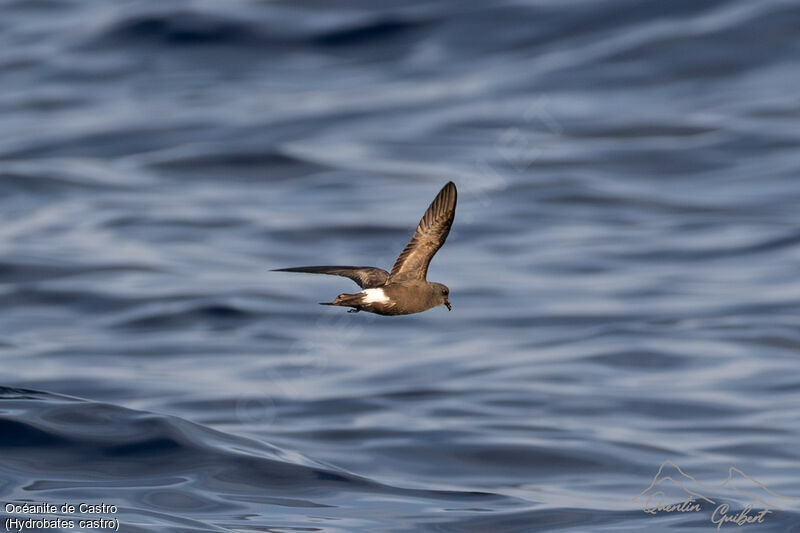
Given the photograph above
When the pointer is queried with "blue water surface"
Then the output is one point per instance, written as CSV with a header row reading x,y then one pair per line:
x,y
623,265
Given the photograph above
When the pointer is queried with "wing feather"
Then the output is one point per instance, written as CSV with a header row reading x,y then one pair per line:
x,y
432,231
365,277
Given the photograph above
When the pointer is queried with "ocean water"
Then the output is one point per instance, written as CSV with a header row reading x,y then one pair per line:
x,y
623,265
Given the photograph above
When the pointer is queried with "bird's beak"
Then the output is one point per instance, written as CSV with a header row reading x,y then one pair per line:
x,y
449,307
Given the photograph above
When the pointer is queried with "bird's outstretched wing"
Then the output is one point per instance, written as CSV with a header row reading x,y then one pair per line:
x,y
412,264
365,277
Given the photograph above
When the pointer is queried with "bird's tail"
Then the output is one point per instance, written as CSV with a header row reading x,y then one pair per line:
x,y
346,300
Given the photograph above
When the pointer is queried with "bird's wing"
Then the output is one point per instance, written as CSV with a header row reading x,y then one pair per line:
x,y
365,277
412,264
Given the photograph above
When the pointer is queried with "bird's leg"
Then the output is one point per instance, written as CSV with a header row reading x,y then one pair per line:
x,y
353,310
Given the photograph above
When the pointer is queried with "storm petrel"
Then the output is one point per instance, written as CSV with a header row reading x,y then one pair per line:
x,y
405,290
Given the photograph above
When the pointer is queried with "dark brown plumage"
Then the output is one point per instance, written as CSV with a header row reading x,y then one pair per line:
x,y
432,231
405,290
365,277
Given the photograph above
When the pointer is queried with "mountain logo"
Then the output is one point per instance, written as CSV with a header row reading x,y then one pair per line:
x,y
673,490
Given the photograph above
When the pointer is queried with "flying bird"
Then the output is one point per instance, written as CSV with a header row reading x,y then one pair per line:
x,y
404,290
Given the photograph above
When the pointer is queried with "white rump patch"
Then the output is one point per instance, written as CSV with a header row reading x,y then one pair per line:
x,y
372,296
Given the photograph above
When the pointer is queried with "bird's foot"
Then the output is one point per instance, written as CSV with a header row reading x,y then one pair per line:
x,y
353,310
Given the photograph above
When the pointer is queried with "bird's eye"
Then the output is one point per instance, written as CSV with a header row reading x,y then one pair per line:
x,y
444,291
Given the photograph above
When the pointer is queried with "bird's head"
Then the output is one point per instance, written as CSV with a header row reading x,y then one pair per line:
x,y
441,295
